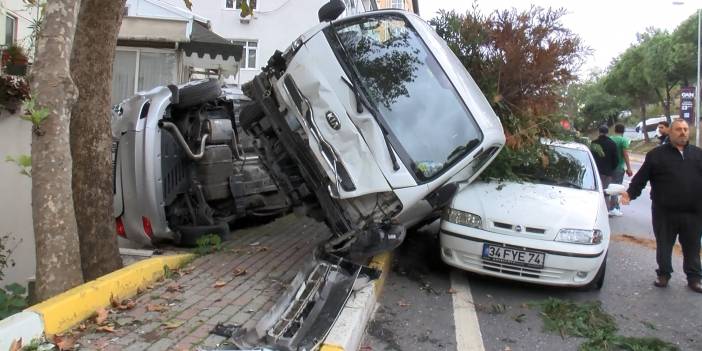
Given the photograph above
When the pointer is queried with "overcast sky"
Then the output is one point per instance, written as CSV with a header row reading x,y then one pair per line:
x,y
608,27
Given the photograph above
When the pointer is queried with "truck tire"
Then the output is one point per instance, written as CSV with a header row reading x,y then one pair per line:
x,y
197,92
250,114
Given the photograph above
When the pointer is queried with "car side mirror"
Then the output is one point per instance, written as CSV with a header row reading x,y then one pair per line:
x,y
331,11
615,189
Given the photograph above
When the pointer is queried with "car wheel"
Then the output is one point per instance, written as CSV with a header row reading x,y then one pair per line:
x,y
598,282
189,234
197,93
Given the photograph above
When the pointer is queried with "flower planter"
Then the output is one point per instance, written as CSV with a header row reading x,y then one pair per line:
x,y
15,69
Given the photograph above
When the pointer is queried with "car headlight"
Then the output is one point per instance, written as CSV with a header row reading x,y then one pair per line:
x,y
580,236
463,218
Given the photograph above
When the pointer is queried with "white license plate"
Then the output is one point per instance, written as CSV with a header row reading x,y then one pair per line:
x,y
513,256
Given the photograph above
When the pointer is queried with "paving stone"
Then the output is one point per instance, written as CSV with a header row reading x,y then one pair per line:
x,y
212,341
139,346
161,345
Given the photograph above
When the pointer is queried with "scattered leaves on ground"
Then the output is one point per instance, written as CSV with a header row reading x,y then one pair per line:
x,y
156,308
105,329
497,308
262,249
239,271
218,284
64,342
172,324
174,288
590,321
101,316
451,291
402,303
123,305
519,318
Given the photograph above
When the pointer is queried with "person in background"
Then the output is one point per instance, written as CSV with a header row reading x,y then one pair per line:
x,y
605,154
675,172
663,132
623,165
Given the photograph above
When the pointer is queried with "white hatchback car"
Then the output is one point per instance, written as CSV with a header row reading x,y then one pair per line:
x,y
552,229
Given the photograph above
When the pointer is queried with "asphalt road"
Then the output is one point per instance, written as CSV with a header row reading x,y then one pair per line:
x,y
421,303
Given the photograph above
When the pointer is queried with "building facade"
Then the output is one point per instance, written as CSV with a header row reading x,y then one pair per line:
x,y
274,25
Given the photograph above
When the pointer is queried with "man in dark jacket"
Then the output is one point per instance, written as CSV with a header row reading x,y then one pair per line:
x,y
605,153
675,172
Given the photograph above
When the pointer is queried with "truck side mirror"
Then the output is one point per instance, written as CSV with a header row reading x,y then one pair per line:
x,y
331,11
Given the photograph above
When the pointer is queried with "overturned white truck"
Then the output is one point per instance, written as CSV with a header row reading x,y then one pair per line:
x,y
371,124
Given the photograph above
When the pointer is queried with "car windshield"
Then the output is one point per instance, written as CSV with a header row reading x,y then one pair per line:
x,y
563,166
413,99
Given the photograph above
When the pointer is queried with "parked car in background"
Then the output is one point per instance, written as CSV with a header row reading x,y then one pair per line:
x,y
183,168
369,123
651,127
552,228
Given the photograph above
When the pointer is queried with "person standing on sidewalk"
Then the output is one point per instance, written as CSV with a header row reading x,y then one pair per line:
x,y
663,128
606,159
623,165
675,172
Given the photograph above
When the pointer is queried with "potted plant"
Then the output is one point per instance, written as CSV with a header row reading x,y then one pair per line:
x,y
14,60
13,91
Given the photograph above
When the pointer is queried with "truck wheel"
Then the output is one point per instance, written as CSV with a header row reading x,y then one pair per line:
x,y
250,114
198,92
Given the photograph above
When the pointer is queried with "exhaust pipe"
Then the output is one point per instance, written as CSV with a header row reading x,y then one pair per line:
x,y
173,129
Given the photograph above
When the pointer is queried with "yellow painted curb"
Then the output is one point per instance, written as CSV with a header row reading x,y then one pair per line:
x,y
328,347
66,310
381,262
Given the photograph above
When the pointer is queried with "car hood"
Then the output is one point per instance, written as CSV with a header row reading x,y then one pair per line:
x,y
529,210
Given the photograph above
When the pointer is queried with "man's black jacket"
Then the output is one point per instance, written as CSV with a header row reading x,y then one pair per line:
x,y
607,163
676,179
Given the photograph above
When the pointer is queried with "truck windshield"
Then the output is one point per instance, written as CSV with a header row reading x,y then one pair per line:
x,y
411,96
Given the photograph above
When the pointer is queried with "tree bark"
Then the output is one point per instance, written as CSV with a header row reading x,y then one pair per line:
x,y
91,139
58,256
642,105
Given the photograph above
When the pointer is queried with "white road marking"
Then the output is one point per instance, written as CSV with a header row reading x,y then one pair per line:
x,y
468,336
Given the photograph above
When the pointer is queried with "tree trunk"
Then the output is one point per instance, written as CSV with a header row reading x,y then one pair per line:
x,y
643,120
58,256
91,137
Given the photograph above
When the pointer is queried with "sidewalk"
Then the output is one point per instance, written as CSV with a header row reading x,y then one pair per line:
x,y
236,285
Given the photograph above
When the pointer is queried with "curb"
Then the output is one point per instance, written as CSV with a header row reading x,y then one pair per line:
x,y
348,330
67,309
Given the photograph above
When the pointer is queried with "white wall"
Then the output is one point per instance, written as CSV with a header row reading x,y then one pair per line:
x,y
24,18
275,24
15,199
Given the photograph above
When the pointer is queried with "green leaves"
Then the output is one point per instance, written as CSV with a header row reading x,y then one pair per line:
x,y
589,320
24,162
247,7
12,300
35,114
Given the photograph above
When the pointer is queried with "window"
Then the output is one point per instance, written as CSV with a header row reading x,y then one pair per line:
x,y
10,30
397,4
141,70
250,49
230,4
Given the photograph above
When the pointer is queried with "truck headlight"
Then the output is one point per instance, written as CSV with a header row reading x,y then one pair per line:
x,y
580,236
463,218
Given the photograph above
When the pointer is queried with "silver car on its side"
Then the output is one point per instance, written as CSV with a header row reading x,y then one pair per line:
x,y
182,168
